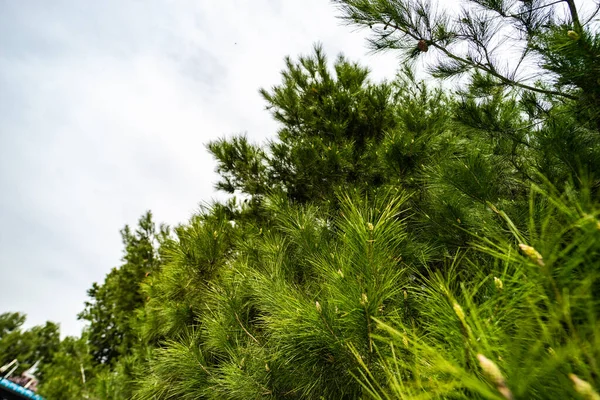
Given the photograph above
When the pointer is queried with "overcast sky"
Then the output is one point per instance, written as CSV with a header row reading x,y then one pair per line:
x,y
105,108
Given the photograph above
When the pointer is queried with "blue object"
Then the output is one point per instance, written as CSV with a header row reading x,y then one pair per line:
x,y
13,388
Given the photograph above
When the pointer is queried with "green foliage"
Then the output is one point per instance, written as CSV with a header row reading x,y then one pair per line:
x,y
9,322
479,37
332,123
38,343
113,303
67,375
191,260
395,240
532,311
324,276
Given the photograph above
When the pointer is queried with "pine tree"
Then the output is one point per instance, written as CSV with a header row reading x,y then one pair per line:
x,y
395,240
551,34
331,123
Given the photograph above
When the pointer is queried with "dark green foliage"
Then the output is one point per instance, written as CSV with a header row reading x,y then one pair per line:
x,y
113,303
241,165
9,322
332,123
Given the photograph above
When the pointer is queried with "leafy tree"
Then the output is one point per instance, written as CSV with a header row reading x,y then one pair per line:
x,y
553,115
38,343
542,132
276,319
112,307
517,121
10,322
69,372
233,278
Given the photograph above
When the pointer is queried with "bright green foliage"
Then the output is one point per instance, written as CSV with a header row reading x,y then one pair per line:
x,y
278,320
396,240
191,261
533,312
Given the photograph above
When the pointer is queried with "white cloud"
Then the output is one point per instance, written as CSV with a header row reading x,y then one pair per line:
x,y
105,108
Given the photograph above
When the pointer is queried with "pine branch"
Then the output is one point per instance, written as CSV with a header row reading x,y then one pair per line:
x,y
574,16
245,330
529,11
486,68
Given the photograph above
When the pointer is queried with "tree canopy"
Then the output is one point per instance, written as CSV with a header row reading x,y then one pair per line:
x,y
394,239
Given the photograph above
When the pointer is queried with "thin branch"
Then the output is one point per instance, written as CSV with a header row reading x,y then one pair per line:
x,y
328,327
248,333
488,69
521,59
486,54
535,9
204,369
593,14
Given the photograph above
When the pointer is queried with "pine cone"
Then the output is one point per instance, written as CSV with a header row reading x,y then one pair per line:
x,y
573,35
422,45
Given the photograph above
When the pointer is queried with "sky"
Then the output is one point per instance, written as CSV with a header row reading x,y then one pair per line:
x,y
105,110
